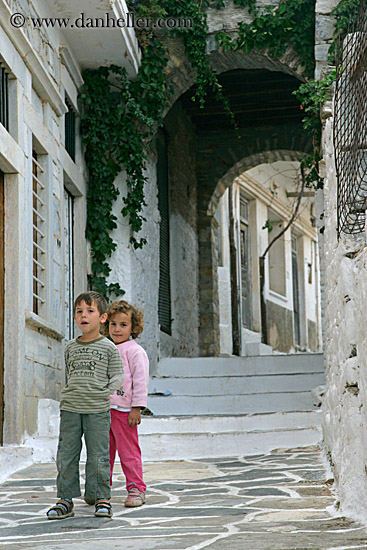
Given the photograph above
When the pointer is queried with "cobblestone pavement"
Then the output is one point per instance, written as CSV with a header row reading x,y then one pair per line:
x,y
277,501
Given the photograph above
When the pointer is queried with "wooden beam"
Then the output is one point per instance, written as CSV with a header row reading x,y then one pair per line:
x,y
305,194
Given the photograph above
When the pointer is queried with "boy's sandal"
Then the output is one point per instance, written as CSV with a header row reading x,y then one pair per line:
x,y
103,509
63,508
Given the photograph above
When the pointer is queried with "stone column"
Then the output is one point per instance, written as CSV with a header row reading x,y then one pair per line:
x,y
209,337
324,28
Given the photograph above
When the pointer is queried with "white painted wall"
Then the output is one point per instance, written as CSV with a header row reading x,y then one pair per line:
x,y
145,270
224,281
137,270
42,69
345,296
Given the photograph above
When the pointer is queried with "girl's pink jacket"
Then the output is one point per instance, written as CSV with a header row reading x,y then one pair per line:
x,y
136,376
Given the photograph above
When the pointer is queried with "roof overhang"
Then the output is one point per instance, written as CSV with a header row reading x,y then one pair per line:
x,y
98,33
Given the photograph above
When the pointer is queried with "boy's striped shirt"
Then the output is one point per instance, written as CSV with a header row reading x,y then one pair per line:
x,y
89,368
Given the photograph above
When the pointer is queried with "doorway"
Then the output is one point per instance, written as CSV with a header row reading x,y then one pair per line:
x,y
246,298
296,304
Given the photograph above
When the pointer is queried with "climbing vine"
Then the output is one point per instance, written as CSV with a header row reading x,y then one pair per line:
x,y
313,94
120,116
119,119
275,28
345,13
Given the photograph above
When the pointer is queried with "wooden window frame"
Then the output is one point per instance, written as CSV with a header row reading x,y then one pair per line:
x,y
4,97
70,129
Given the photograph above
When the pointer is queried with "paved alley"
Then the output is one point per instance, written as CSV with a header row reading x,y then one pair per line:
x,y
281,500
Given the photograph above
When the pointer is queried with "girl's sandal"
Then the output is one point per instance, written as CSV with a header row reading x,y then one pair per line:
x,y
103,509
63,508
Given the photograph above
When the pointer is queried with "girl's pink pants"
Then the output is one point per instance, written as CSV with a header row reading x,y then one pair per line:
x,y
124,439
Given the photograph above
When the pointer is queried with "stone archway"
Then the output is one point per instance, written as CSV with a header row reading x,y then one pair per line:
x,y
266,157
181,76
219,154
208,261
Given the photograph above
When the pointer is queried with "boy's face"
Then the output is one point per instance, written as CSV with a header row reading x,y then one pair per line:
x,y
89,320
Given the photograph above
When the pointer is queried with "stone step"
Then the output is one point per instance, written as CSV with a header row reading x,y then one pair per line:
x,y
177,437
250,336
237,366
236,385
168,438
13,459
231,404
257,348
213,424
180,447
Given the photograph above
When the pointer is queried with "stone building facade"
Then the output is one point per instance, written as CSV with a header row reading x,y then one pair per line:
x,y
187,176
263,200
344,292
202,160
43,179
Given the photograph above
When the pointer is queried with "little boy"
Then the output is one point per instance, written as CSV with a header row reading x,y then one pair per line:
x,y
94,371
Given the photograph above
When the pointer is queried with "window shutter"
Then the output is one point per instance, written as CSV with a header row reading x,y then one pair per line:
x,y
70,129
164,296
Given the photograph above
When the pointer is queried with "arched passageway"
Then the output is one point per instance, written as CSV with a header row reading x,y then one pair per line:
x,y
205,153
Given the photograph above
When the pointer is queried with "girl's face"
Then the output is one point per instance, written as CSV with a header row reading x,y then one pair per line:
x,y
120,327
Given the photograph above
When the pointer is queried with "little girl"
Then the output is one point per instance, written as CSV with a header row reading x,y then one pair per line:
x,y
124,324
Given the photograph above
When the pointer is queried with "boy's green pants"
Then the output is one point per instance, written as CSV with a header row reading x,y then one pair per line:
x,y
95,428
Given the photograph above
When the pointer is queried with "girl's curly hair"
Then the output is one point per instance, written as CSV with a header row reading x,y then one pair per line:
x,y
137,317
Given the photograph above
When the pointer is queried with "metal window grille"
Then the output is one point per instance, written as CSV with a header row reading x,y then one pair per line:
x,y
4,98
70,129
39,236
350,127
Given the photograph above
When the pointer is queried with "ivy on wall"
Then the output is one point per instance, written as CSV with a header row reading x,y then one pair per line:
x,y
275,28
120,117
314,93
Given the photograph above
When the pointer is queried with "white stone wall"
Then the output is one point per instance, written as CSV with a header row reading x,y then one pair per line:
x,y
120,263
43,69
137,270
33,355
224,279
344,406
324,28
145,270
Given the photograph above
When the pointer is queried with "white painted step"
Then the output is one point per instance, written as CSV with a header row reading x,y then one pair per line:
x,y
237,366
192,438
151,425
257,348
231,404
13,459
236,385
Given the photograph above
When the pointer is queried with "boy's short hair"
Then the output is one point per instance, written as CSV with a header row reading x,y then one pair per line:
x,y
137,317
89,297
